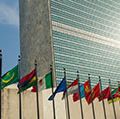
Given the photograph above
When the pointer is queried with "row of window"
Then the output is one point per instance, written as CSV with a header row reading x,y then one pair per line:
x,y
87,12
81,47
105,24
108,73
60,37
85,42
109,3
81,55
85,61
91,5
87,57
81,16
85,27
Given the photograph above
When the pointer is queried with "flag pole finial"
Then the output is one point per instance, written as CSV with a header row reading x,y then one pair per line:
x,y
99,78
64,72
89,76
35,62
64,69
51,67
109,81
18,57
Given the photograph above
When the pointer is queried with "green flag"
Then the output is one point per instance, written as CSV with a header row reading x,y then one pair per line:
x,y
10,77
114,91
115,95
45,82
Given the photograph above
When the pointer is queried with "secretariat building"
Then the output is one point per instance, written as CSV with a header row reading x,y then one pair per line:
x,y
81,35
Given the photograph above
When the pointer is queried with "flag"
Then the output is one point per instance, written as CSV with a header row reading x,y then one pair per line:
x,y
27,81
72,88
10,77
34,89
87,89
116,92
115,95
44,83
95,92
76,96
61,88
104,94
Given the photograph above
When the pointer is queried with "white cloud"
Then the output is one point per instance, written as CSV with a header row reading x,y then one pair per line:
x,y
9,15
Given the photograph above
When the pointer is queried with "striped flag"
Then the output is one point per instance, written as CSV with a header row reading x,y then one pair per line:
x,y
44,82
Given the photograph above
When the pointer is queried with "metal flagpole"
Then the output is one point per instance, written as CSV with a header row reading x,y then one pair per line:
x,y
66,97
112,100
37,95
0,82
78,78
93,110
20,102
102,100
52,83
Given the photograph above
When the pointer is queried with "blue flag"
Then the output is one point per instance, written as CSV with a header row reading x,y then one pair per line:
x,y
61,88
82,92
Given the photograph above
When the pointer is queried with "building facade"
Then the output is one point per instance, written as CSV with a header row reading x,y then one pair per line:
x,y
78,35
85,35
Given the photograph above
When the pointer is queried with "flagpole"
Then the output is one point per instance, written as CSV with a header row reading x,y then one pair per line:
x,y
93,110
0,82
53,101
102,100
20,102
78,78
37,95
112,100
66,97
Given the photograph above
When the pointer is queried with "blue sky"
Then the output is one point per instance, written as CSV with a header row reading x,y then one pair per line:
x,y
9,33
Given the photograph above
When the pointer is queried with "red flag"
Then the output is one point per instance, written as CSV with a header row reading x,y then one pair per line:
x,y
76,97
95,92
117,94
28,76
87,88
104,94
27,81
33,89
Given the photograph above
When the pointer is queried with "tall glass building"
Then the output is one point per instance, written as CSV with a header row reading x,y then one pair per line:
x,y
81,35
